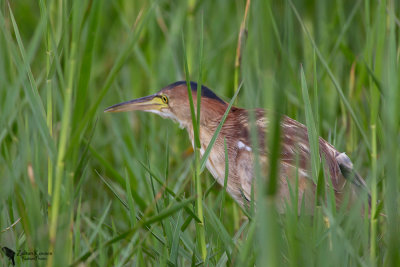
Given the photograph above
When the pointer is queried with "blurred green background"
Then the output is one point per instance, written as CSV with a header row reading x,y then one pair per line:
x,y
82,184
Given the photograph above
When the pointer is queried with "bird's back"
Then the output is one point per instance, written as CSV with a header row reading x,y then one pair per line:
x,y
295,157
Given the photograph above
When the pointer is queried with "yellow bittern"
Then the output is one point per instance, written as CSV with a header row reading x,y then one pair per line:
x,y
173,102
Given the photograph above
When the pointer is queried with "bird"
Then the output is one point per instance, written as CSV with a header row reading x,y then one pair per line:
x,y
294,167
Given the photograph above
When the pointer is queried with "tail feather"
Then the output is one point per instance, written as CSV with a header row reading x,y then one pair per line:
x,y
346,168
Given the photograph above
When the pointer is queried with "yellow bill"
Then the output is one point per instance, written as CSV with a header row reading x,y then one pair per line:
x,y
147,103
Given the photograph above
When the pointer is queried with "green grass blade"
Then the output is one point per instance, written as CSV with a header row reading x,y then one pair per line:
x,y
196,143
99,225
312,132
33,96
168,211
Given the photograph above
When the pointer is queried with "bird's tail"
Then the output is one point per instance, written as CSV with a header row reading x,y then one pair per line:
x,y
346,167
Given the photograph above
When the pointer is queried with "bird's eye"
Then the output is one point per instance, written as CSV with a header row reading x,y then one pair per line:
x,y
164,99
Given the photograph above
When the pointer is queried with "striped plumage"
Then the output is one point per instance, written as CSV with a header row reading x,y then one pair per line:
x,y
172,102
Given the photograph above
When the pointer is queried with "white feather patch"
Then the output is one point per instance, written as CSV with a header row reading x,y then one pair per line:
x,y
241,145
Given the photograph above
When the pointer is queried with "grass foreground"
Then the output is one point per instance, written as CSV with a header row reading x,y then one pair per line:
x,y
78,186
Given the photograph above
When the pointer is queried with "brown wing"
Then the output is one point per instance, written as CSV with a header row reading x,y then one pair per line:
x,y
295,148
295,145
294,158
338,164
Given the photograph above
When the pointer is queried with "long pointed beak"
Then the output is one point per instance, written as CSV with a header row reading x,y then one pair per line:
x,y
147,103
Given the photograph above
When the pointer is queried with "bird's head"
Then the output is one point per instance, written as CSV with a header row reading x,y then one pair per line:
x,y
172,102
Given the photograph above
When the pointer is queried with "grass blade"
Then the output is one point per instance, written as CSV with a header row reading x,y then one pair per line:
x,y
312,132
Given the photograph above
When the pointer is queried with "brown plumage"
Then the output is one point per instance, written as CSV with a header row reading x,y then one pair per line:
x,y
172,102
